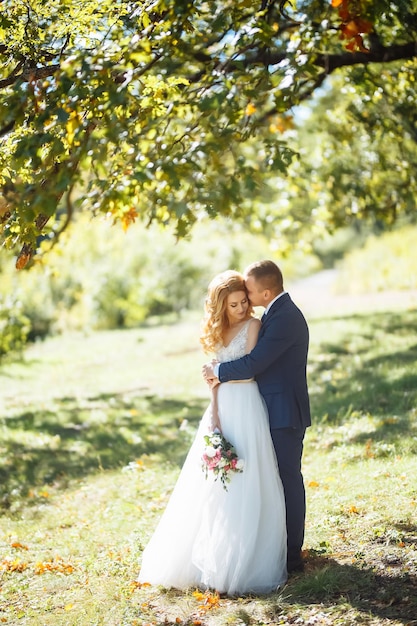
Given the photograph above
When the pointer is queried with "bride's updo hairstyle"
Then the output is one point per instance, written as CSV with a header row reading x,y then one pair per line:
x,y
215,319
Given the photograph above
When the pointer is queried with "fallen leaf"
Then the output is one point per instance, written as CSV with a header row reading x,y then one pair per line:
x,y
17,545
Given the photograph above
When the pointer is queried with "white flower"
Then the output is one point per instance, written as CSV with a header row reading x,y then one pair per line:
x,y
216,440
240,465
210,451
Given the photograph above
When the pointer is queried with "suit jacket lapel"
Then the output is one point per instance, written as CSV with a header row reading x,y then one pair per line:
x,y
277,304
274,308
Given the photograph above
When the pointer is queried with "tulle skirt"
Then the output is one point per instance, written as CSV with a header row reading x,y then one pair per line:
x,y
231,541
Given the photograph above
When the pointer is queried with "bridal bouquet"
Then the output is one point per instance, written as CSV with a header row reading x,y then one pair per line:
x,y
220,458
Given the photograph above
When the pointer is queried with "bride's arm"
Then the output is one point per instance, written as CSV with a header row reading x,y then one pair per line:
x,y
253,332
215,420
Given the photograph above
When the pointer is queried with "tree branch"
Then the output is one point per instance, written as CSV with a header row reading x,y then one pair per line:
x,y
7,128
382,54
34,73
329,62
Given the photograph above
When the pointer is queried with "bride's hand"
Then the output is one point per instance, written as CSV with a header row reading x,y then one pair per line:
x,y
215,423
207,370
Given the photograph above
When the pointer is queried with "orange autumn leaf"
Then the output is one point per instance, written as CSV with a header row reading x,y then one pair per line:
x,y
128,218
22,260
7,565
211,601
135,584
313,483
54,565
353,509
198,595
364,26
344,14
281,123
17,545
351,28
353,25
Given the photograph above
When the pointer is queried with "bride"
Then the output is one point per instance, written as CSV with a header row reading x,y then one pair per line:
x,y
230,540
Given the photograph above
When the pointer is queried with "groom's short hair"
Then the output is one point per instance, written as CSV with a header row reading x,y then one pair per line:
x,y
267,274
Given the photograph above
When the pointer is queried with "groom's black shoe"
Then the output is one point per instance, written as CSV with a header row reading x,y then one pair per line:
x,y
295,567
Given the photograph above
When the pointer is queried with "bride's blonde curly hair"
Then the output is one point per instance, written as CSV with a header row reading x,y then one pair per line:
x,y
215,320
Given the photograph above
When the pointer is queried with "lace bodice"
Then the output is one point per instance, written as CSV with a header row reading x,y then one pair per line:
x,y
236,348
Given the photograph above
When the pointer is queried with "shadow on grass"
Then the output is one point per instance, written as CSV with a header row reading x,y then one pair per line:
x,y
327,590
73,438
383,594
346,378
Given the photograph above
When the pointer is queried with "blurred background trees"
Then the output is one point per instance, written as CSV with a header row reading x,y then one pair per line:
x,y
213,133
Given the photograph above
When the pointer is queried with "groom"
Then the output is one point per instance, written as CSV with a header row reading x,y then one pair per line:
x,y
279,363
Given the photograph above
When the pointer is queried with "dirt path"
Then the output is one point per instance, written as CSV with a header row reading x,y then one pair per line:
x,y
316,297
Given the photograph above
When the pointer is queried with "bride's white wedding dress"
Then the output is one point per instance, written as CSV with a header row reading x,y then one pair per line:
x,y
231,541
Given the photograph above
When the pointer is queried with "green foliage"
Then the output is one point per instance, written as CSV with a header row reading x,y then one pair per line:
x,y
101,277
359,150
164,111
14,327
331,248
387,262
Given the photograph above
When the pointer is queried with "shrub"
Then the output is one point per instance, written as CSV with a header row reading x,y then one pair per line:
x,y
99,276
387,262
14,327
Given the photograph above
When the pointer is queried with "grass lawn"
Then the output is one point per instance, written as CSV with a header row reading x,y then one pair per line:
x,y
94,430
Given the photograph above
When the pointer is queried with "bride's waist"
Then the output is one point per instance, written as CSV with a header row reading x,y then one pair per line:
x,y
246,380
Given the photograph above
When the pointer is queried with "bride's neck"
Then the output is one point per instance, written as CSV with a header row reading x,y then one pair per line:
x,y
237,324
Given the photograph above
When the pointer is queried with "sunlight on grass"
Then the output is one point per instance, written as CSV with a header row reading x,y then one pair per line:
x,y
95,429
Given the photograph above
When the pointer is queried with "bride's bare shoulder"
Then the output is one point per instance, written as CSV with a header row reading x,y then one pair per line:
x,y
254,322
253,332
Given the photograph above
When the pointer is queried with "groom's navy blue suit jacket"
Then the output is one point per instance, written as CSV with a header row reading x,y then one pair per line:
x,y
279,364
